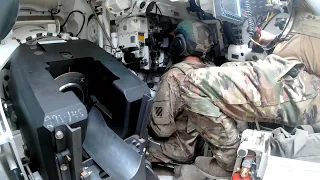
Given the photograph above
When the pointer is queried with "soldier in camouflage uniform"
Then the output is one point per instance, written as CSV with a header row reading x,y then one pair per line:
x,y
169,122
276,90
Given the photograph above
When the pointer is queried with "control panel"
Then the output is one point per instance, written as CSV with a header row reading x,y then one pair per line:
x,y
229,10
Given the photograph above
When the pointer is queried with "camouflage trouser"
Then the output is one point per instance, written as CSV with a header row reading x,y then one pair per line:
x,y
272,90
210,128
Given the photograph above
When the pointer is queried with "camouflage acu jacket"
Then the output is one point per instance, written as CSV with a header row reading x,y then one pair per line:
x,y
169,119
271,90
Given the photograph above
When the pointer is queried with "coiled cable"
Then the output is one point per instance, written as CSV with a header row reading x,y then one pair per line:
x,y
101,25
251,25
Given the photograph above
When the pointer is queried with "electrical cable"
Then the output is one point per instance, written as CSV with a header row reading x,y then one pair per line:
x,y
83,22
268,16
67,19
157,8
251,24
101,25
53,13
270,19
255,42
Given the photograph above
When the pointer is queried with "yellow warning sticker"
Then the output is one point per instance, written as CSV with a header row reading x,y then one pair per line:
x,y
141,36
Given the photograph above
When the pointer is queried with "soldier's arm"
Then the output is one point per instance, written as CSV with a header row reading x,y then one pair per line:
x,y
164,108
303,4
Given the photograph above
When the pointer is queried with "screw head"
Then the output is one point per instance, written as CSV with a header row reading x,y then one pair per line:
x,y
59,135
68,158
63,167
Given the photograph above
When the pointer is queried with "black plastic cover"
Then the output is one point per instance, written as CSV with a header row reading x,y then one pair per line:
x,y
41,107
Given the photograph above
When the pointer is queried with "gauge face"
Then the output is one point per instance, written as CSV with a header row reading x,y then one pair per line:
x,y
230,6
92,30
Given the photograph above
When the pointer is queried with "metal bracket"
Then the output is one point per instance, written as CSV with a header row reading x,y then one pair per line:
x,y
139,145
144,116
69,148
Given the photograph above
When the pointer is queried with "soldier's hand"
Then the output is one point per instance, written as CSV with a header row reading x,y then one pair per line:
x,y
266,37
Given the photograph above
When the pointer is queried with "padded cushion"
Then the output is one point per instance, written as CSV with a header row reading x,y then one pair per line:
x,y
8,14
